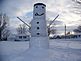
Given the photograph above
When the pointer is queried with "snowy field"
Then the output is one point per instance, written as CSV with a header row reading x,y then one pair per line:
x,y
60,50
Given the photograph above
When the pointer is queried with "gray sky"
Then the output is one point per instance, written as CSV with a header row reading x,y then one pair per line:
x,y
69,11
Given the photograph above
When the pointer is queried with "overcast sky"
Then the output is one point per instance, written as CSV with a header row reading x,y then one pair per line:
x,y
69,11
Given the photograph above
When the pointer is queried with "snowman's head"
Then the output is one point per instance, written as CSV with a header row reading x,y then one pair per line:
x,y
39,10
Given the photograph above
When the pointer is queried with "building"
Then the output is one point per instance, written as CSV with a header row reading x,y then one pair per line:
x,y
19,37
22,37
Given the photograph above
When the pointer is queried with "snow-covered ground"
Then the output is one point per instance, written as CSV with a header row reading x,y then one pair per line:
x,y
59,50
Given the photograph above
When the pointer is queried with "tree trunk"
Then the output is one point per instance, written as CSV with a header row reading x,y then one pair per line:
x,y
0,36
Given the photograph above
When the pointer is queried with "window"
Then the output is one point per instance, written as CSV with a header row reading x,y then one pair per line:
x,y
37,27
24,36
38,33
20,37
37,22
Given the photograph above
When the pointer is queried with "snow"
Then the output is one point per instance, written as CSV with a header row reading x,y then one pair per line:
x,y
59,50
58,43
39,42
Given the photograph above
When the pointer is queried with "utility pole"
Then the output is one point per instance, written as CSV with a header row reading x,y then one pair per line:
x,y
65,31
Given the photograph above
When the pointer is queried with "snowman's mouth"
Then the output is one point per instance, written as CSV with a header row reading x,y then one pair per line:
x,y
39,14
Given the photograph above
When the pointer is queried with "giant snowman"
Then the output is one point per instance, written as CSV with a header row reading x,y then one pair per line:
x,y
39,35
38,45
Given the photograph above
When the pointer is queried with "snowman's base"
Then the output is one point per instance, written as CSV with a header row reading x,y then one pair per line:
x,y
39,42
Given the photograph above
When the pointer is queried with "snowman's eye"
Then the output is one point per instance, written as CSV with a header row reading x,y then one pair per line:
x,y
36,6
42,7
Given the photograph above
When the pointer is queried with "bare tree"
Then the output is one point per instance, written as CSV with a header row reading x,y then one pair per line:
x,y
4,22
22,29
51,30
77,1
78,30
76,6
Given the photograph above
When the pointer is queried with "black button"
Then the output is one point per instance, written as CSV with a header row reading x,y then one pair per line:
x,y
38,33
37,22
37,27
